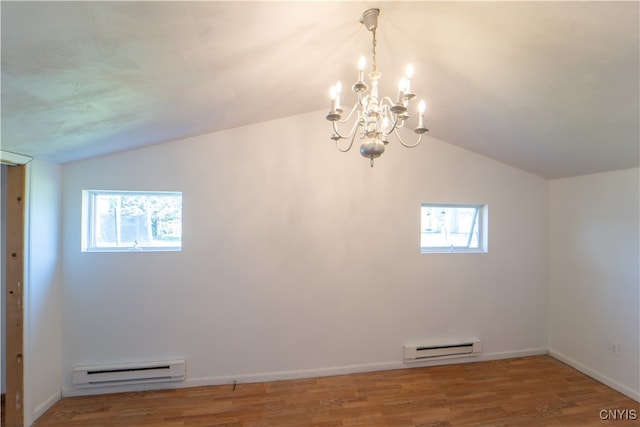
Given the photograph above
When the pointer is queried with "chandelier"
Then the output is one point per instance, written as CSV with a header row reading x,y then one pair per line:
x,y
377,117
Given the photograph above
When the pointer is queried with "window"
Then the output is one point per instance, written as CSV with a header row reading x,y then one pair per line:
x,y
131,221
453,228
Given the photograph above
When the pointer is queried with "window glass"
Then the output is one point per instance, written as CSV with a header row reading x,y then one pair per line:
x,y
126,220
453,228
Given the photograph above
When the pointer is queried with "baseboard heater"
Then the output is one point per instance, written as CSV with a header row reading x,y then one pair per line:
x,y
441,350
134,373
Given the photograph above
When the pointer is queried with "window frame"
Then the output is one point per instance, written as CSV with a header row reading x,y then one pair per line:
x,y
482,222
88,234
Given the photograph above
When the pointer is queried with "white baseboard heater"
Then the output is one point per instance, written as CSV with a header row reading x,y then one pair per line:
x,y
441,350
134,373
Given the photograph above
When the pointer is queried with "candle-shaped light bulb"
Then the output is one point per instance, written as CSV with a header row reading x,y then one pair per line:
x,y
402,84
332,95
421,108
361,63
385,124
338,92
408,74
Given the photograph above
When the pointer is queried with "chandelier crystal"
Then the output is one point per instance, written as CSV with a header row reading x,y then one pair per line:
x,y
377,117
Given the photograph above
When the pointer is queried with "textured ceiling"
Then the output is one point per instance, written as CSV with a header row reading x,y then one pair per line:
x,y
548,87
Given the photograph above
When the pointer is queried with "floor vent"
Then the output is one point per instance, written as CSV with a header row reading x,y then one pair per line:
x,y
441,350
138,373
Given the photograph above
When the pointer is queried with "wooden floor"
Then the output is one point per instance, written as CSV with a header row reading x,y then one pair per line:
x,y
532,391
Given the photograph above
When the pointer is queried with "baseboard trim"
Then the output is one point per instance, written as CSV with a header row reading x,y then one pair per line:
x,y
237,379
298,374
627,391
294,375
44,406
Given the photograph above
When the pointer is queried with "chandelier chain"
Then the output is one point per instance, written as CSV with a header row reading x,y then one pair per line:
x,y
373,51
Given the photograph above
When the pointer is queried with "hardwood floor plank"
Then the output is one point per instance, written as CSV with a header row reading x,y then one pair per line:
x,y
532,391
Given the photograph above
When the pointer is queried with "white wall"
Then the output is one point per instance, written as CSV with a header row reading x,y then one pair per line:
x,y
299,260
43,289
594,298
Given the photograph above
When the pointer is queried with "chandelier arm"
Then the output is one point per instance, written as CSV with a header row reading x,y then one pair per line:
x,y
351,133
408,145
353,137
337,132
350,113
389,102
395,125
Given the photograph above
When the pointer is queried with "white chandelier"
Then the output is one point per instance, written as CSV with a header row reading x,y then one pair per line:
x,y
377,118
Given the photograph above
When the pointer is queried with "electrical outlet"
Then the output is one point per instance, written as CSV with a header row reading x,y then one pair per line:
x,y
614,348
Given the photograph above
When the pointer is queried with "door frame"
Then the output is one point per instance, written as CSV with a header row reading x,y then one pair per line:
x,y
14,295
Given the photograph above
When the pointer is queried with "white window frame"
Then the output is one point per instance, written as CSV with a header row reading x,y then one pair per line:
x,y
89,240
481,222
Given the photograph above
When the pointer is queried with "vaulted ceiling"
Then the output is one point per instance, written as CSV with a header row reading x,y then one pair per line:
x,y
548,87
